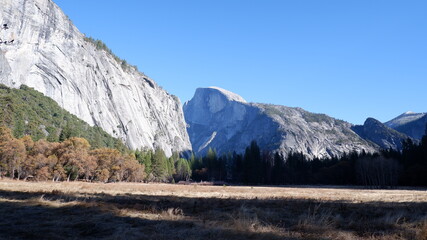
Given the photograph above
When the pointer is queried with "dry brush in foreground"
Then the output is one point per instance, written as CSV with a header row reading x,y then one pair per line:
x,y
74,210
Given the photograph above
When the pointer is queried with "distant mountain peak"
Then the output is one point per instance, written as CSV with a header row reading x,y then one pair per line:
x,y
410,123
372,121
378,133
229,95
222,120
403,119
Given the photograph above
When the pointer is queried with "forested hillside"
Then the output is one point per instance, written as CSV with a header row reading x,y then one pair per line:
x,y
28,112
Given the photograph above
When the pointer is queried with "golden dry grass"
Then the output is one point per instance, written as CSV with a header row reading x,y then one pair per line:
x,y
71,210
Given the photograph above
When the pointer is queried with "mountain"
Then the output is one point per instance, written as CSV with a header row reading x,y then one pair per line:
x,y
378,133
41,48
29,112
409,123
404,118
224,121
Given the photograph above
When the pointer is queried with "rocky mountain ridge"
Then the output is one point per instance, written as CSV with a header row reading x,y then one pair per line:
x,y
404,118
380,134
410,123
41,48
228,124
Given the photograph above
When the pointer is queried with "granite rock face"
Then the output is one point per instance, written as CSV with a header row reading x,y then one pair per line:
x,y
410,123
378,133
44,50
224,121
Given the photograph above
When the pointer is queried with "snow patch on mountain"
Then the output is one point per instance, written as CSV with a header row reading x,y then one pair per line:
x,y
404,119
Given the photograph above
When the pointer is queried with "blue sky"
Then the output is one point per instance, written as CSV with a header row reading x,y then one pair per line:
x,y
348,59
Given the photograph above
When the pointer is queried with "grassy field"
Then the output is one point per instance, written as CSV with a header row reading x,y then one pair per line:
x,y
78,210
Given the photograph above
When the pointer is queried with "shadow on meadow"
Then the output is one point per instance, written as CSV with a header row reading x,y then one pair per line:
x,y
53,215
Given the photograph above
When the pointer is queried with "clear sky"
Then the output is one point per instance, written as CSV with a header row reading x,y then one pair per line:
x,y
349,59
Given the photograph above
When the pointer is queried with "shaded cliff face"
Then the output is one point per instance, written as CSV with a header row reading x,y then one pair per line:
x,y
410,123
378,133
224,121
49,54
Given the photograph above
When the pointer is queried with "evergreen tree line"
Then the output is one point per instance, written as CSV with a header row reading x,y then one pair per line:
x,y
75,159
159,168
386,168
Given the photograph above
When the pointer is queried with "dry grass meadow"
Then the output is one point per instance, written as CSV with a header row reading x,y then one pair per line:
x,y
78,210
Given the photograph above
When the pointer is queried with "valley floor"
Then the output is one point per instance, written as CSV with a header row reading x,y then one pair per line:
x,y
74,210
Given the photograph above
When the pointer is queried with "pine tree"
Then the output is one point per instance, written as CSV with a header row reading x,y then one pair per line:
x,y
145,157
160,165
253,166
19,128
210,162
278,169
183,171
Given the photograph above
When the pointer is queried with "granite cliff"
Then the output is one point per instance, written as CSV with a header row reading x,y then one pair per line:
x,y
380,134
224,121
410,123
41,48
